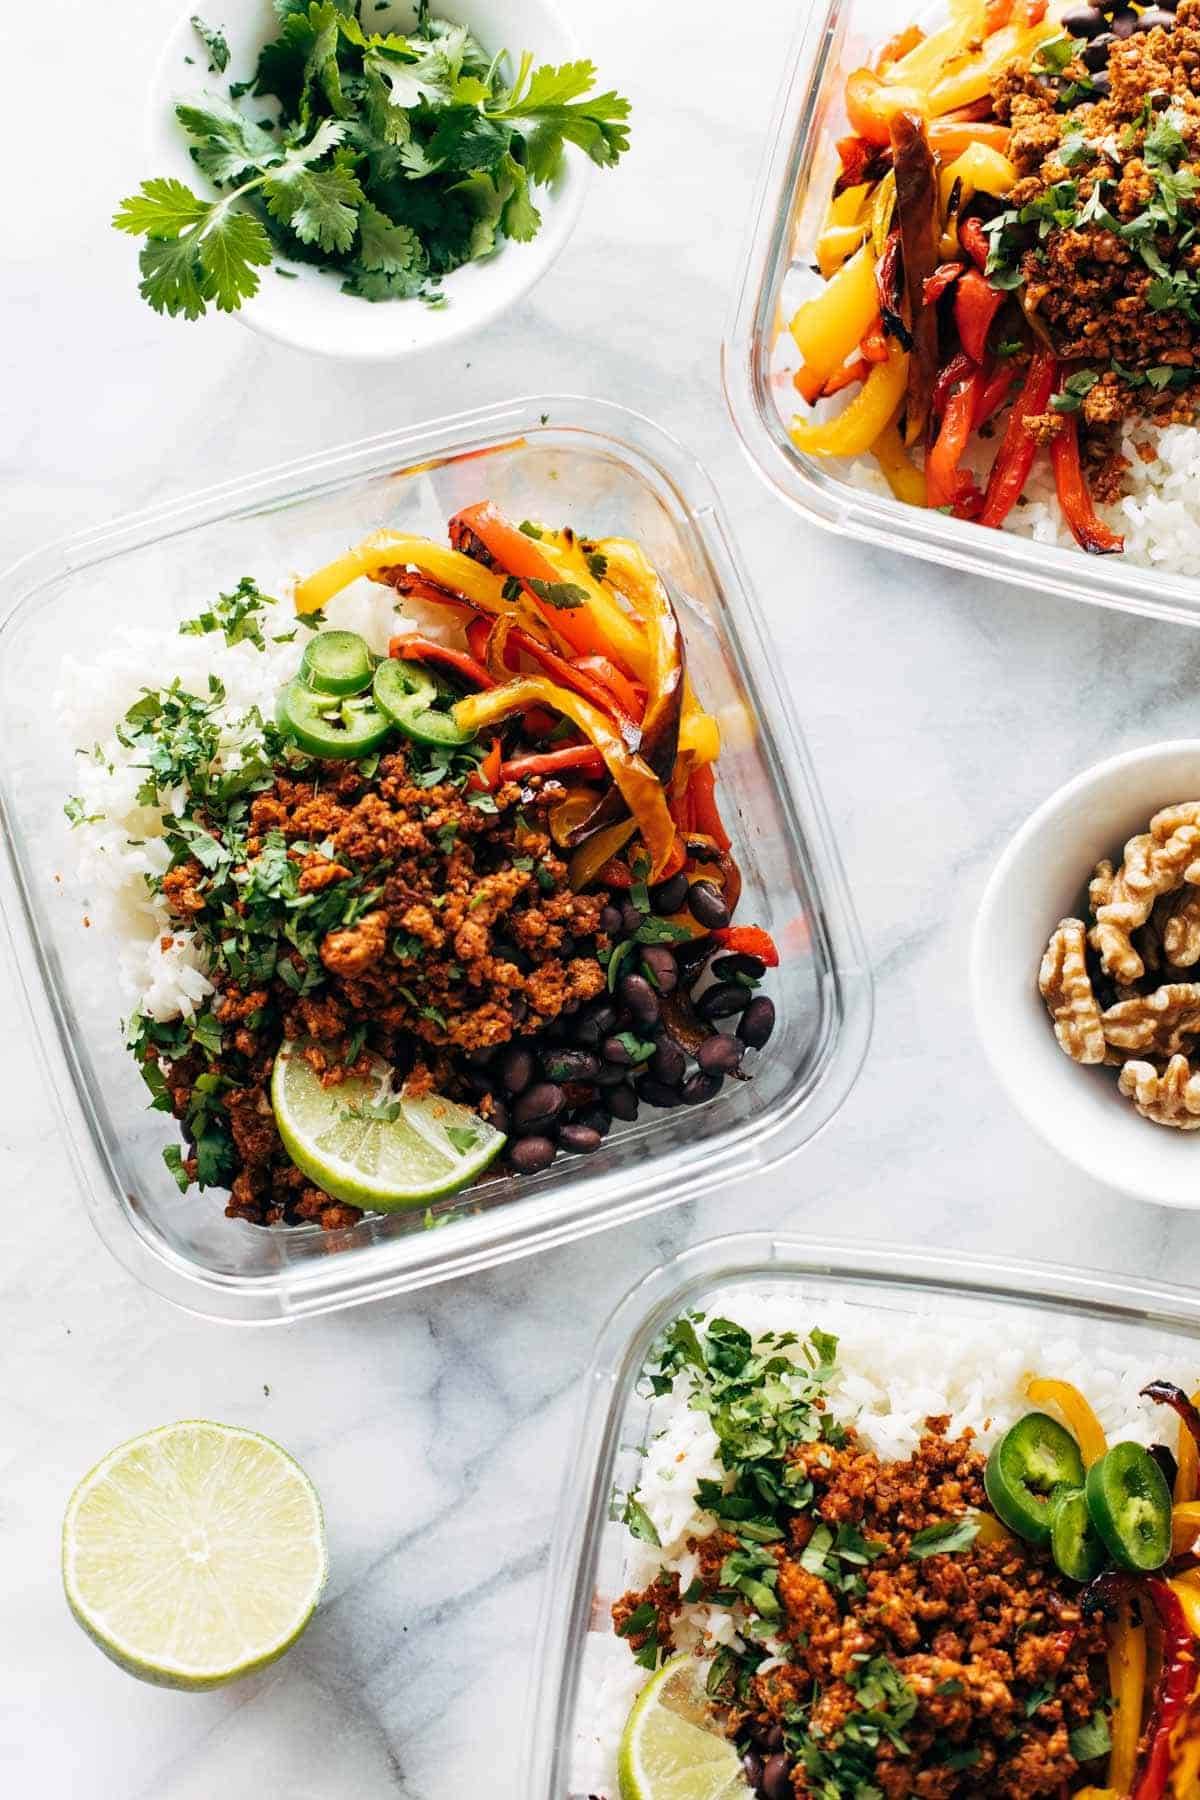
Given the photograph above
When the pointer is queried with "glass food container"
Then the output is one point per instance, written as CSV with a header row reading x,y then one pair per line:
x,y
799,168
585,462
606,1459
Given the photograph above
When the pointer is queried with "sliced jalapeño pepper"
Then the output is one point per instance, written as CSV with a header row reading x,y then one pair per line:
x,y
336,662
417,703
1076,1545
1035,1459
1130,1504
331,725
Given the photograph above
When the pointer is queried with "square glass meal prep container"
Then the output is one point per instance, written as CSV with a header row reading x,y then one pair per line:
x,y
583,462
607,1457
799,167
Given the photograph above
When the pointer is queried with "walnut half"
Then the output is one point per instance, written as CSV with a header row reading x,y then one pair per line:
x,y
1159,1024
1169,1098
1066,987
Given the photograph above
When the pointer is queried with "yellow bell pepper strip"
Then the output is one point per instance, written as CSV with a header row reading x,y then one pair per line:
x,y
464,578
640,788
1187,1481
1088,1431
1185,1527
829,326
882,208
1095,1793
699,733
991,1531
981,170
973,80
843,230
1185,1765
926,61
590,857
870,412
1127,1685
574,807
904,478
1186,1589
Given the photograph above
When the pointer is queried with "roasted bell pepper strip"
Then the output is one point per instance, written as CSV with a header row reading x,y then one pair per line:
x,y
904,478
464,579
917,209
1089,1433
522,558
899,46
874,345
924,63
959,369
1165,1393
976,303
706,817
1127,1682
569,674
943,277
844,228
1029,12
871,409
1014,459
478,632
997,13
978,168
973,78
860,162
410,585
828,327
952,135
872,104
847,377
630,697
573,759
486,778
424,650
640,788
748,940
1173,1697
1187,1480
597,858
995,393
945,483
974,241
1088,528
889,291
1185,1527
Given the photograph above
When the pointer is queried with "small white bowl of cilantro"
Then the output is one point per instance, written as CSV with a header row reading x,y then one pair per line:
x,y
365,178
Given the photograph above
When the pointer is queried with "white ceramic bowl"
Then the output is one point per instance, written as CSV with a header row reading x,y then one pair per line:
x,y
1041,878
311,312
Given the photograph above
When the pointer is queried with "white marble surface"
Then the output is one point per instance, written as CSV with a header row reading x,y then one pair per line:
x,y
938,711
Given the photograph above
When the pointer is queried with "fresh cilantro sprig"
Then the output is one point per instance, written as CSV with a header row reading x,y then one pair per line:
x,y
395,160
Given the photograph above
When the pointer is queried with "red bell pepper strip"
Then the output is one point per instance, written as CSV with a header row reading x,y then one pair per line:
x,y
976,303
1029,12
517,555
486,778
628,693
1014,459
945,483
973,239
748,940
943,277
995,393
703,798
1176,1681
889,290
959,368
578,759
861,161
1074,497
419,649
570,675
478,632
996,15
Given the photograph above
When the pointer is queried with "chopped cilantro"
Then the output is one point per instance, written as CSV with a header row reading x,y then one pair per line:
x,y
1089,1741
943,1539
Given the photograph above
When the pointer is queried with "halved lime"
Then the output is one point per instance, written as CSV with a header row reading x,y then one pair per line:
x,y
194,1554
371,1147
672,1748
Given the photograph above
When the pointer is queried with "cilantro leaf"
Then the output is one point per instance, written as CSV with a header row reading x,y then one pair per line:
x,y
1089,1741
229,252
214,42
385,246
639,1522
319,205
162,208
943,1539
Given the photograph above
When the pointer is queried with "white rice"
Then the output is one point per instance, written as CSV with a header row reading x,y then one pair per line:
x,y
162,968
894,1371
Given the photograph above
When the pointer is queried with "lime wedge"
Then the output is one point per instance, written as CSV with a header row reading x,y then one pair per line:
x,y
370,1147
671,1748
194,1554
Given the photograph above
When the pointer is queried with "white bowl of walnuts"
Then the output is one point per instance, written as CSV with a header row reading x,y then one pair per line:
x,y
1085,972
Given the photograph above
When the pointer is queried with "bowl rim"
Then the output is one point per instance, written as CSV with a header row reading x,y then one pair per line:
x,y
562,205
1086,781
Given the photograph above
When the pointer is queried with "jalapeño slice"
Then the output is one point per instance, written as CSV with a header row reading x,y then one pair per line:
x,y
1033,1460
1130,1504
417,703
331,725
1076,1545
336,662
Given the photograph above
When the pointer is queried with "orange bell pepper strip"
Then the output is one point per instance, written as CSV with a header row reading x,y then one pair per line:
x,y
945,483
1076,1410
705,816
639,787
629,696
486,778
996,15
872,104
523,558
898,46
597,858
874,345
1087,527
1185,1527
950,135
872,409
420,649
844,378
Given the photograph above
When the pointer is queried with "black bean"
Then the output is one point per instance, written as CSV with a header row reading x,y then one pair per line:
x,y
518,1006
669,896
776,1778
1124,22
719,1055
661,965
596,1118
727,968
532,1154
757,1022
1094,56
516,1068
569,1065
610,920
773,1739
479,1059
631,918
723,1000
614,1051
1101,86
594,1022
1083,21
700,1087
706,905
637,994
668,1062
540,1104
581,1140
657,1093
692,954
752,1767
498,1116
622,1103
479,1083
1155,15
609,1075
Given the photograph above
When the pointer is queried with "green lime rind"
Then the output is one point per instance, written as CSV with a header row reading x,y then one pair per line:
x,y
364,1145
130,1547
671,1749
